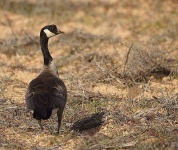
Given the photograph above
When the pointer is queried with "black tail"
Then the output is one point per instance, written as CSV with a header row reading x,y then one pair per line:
x,y
38,115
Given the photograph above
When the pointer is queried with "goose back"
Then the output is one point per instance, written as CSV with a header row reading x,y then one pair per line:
x,y
45,93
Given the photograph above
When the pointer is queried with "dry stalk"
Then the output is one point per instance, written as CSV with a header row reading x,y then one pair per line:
x,y
9,22
127,57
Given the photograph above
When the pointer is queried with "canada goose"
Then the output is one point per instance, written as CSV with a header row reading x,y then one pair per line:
x,y
47,93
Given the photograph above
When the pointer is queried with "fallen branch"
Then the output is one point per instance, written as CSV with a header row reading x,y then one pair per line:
x,y
89,122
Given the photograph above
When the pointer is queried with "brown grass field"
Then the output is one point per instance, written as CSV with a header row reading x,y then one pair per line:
x,y
120,57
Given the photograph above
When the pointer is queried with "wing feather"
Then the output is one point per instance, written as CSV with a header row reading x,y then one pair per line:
x,y
46,94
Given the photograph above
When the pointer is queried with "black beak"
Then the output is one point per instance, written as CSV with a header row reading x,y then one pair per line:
x,y
59,32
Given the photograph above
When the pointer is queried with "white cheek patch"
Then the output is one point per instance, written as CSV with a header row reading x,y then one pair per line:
x,y
49,33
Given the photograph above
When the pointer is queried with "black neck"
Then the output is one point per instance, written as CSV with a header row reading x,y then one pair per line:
x,y
44,47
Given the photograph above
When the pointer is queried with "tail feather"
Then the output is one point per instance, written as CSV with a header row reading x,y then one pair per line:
x,y
38,115
43,108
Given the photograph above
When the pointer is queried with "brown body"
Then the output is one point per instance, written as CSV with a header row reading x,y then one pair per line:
x,y
44,94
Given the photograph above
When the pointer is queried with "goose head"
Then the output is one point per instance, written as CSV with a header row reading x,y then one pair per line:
x,y
50,31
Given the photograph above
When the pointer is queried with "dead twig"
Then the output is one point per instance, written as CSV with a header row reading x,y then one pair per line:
x,y
127,57
9,22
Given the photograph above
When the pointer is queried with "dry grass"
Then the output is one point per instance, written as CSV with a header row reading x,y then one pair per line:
x,y
116,57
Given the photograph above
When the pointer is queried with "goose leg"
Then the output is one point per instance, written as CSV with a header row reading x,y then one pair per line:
x,y
39,122
59,115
